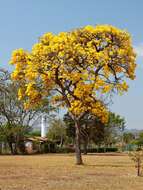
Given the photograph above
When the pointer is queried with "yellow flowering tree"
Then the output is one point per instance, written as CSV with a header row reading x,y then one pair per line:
x,y
75,68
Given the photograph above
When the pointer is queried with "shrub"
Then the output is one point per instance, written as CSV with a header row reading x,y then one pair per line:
x,y
91,150
137,157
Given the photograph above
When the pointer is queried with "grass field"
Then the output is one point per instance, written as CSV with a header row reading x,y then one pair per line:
x,y
58,172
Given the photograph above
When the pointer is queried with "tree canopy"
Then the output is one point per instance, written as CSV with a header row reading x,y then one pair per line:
x,y
78,68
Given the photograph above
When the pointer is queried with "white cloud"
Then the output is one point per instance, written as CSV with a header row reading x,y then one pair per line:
x,y
139,50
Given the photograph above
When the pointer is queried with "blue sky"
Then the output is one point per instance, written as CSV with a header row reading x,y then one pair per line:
x,y
23,22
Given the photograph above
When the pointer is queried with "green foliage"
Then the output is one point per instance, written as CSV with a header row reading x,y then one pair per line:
x,y
139,141
93,130
89,150
117,121
91,127
14,135
34,133
113,131
103,149
128,138
57,131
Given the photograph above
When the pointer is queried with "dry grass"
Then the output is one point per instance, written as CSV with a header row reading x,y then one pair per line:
x,y
58,172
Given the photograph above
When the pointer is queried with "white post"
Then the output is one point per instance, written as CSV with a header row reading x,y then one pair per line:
x,y
43,127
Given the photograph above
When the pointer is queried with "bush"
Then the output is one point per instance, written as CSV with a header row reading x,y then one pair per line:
x,y
65,150
102,150
91,150
137,157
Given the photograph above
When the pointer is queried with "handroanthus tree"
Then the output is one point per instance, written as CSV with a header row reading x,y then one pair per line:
x,y
77,68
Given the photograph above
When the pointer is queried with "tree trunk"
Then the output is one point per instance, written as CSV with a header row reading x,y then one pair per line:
x,y
85,146
11,147
0,147
14,147
78,144
138,167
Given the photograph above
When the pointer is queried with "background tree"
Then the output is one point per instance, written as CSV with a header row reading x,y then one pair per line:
x,y
14,135
113,131
4,77
57,131
91,129
139,140
14,119
78,68
128,137
11,109
94,131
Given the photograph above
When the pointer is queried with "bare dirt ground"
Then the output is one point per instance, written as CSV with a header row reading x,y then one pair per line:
x,y
58,172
